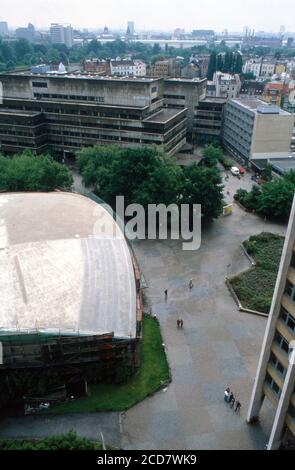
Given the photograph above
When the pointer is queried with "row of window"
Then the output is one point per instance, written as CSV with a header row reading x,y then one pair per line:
x,y
40,96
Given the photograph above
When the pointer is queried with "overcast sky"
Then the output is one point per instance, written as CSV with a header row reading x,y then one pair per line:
x,y
267,15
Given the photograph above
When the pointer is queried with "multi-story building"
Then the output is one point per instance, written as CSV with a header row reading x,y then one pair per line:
x,y
128,68
255,130
61,34
274,92
99,66
275,378
209,120
165,68
64,112
224,85
252,66
26,33
267,69
3,28
182,93
252,88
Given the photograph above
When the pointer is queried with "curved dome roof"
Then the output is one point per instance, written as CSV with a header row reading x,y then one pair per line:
x,y
64,266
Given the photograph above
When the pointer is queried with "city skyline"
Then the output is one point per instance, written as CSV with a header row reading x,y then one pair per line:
x,y
116,14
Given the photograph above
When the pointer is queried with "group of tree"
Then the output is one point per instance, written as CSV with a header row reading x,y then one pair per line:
x,y
149,176
227,62
272,199
27,172
213,154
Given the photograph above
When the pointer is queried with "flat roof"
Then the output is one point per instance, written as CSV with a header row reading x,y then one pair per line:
x,y
164,115
81,76
65,267
254,104
19,112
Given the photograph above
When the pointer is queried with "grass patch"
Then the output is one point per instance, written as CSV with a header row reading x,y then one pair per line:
x,y
152,374
255,287
68,441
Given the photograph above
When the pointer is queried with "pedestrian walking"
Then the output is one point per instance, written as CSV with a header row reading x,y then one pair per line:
x,y
166,294
226,394
181,324
178,323
190,284
231,396
232,402
238,406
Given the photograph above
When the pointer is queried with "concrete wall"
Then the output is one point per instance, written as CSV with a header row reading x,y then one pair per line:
x,y
272,133
114,92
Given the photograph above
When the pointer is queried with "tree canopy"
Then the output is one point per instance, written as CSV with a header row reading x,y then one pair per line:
x,y
27,172
149,176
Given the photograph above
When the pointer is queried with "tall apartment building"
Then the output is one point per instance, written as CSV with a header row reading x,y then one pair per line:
x,y
180,93
275,378
61,34
26,33
3,28
255,130
64,112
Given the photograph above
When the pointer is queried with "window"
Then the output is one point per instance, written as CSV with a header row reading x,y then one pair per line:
x,y
282,342
277,365
39,84
273,385
290,291
288,319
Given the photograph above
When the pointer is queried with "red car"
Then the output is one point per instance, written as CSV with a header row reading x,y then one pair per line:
x,y
242,170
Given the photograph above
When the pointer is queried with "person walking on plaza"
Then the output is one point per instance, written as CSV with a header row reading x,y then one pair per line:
x,y
226,394
238,406
178,323
190,284
166,294
181,324
232,401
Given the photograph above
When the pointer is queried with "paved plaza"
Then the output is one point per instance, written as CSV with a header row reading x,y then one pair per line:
x,y
218,347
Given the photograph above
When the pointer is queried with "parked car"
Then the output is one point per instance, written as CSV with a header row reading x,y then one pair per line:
x,y
235,171
241,170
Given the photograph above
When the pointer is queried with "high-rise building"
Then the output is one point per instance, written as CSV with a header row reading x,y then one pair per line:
x,y
61,34
26,33
130,28
3,28
275,378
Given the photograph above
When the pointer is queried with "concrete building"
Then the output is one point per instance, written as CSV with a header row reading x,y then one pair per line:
x,y
275,378
61,34
99,66
253,129
66,111
224,85
185,94
130,29
209,120
3,28
252,88
267,69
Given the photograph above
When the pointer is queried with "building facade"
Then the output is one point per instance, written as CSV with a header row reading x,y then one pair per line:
x,y
61,34
185,94
128,68
3,28
209,120
275,378
71,111
253,129
224,85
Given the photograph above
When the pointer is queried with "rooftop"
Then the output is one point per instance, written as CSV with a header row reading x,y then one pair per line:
x,y
258,106
77,76
61,267
164,115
